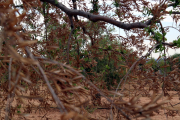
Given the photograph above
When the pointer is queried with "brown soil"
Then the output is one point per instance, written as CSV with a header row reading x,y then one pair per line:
x,y
102,114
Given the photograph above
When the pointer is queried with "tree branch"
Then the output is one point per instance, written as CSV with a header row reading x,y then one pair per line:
x,y
88,81
174,12
172,4
147,54
56,99
95,18
8,106
69,40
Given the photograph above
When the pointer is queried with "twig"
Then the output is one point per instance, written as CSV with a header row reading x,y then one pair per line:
x,y
45,15
164,80
69,40
89,82
174,12
43,116
16,82
125,77
134,65
8,107
80,25
163,32
172,4
57,100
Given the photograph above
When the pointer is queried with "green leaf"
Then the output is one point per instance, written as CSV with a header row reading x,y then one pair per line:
x,y
81,68
86,88
116,4
109,47
170,12
79,40
107,67
85,53
85,59
56,2
19,106
177,42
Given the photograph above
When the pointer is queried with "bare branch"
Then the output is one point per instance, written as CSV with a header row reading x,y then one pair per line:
x,y
58,102
96,18
174,12
89,82
134,65
69,40
168,44
172,4
8,106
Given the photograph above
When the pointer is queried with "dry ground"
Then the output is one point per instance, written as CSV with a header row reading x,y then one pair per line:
x,y
53,114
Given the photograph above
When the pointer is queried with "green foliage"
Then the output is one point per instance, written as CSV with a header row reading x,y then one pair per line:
x,y
64,25
158,37
89,109
177,2
159,48
177,42
86,88
4,78
109,47
110,76
56,2
75,32
18,107
109,71
158,65
107,67
155,65
169,61
116,4
95,6
170,12
146,11
32,26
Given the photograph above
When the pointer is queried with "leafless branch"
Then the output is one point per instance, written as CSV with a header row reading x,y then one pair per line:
x,y
174,12
8,106
95,18
125,77
168,44
69,40
89,82
58,102
172,4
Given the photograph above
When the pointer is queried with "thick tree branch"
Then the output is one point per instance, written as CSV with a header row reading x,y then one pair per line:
x,y
168,44
95,18
174,13
19,6
80,25
75,8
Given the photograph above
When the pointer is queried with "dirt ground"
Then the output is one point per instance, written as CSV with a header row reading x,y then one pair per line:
x,y
102,114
